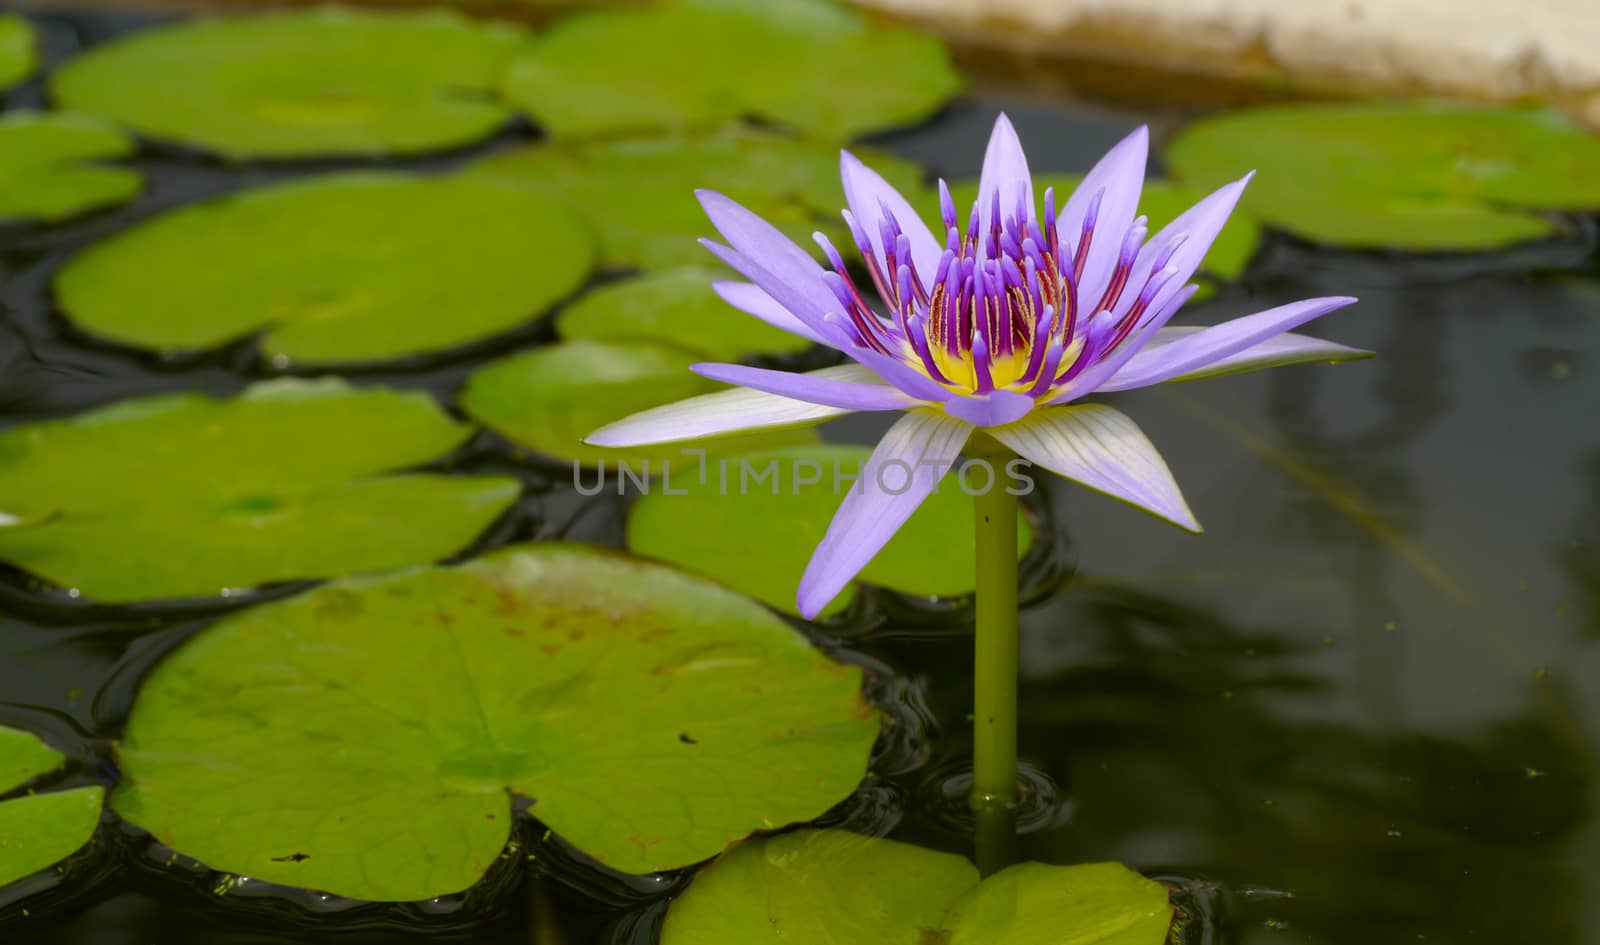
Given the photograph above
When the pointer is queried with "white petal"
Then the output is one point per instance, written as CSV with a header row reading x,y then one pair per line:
x,y
729,411
1103,449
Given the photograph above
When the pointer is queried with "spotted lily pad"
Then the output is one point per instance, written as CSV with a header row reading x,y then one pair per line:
x,y
754,520
18,49
676,307
39,830
1162,201
550,398
369,738
301,84
844,889
342,268
1421,177
814,65
46,169
638,195
280,483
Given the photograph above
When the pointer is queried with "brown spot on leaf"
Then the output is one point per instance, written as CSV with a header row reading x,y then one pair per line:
x,y
934,936
292,858
688,739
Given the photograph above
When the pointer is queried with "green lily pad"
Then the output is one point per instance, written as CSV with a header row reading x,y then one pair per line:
x,y
301,84
280,483
1162,201
813,65
550,398
19,53
754,522
675,307
46,169
368,738
844,889
336,269
638,195
39,830
1419,176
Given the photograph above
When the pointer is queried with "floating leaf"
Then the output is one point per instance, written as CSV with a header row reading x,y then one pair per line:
x,y
45,169
280,483
1162,201
301,84
676,307
341,268
552,397
18,49
369,738
39,830
755,520
1422,177
844,889
638,196
809,64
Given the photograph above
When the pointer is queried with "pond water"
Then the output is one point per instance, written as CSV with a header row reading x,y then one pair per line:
x,y
1354,711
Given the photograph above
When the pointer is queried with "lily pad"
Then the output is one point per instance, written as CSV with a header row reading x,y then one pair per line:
x,y
1162,201
550,398
280,483
46,169
844,889
638,195
19,53
755,520
676,307
369,738
813,65
1419,177
39,830
342,268
301,84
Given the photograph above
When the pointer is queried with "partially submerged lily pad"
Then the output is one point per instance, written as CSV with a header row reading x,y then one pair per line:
x,y
550,398
343,268
46,169
845,889
675,307
814,65
1162,201
638,195
280,483
368,738
18,49
1420,177
299,84
755,519
39,830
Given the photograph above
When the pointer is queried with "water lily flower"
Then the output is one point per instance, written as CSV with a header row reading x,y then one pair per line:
x,y
1003,325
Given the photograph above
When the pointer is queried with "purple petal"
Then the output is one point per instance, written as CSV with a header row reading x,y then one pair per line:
x,y
1005,169
764,245
866,190
824,391
1198,351
729,411
901,375
801,305
1198,227
993,409
904,469
1106,451
1090,380
1120,176
754,300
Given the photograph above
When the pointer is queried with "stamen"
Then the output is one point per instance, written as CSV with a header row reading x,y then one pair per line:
x,y
919,343
1086,237
1036,356
947,206
1119,276
980,366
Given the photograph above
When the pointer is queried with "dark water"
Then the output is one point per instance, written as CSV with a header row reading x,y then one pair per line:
x,y
1360,709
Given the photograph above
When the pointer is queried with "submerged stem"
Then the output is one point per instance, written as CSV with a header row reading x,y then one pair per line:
x,y
994,770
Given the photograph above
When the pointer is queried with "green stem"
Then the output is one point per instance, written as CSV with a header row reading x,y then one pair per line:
x,y
994,770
